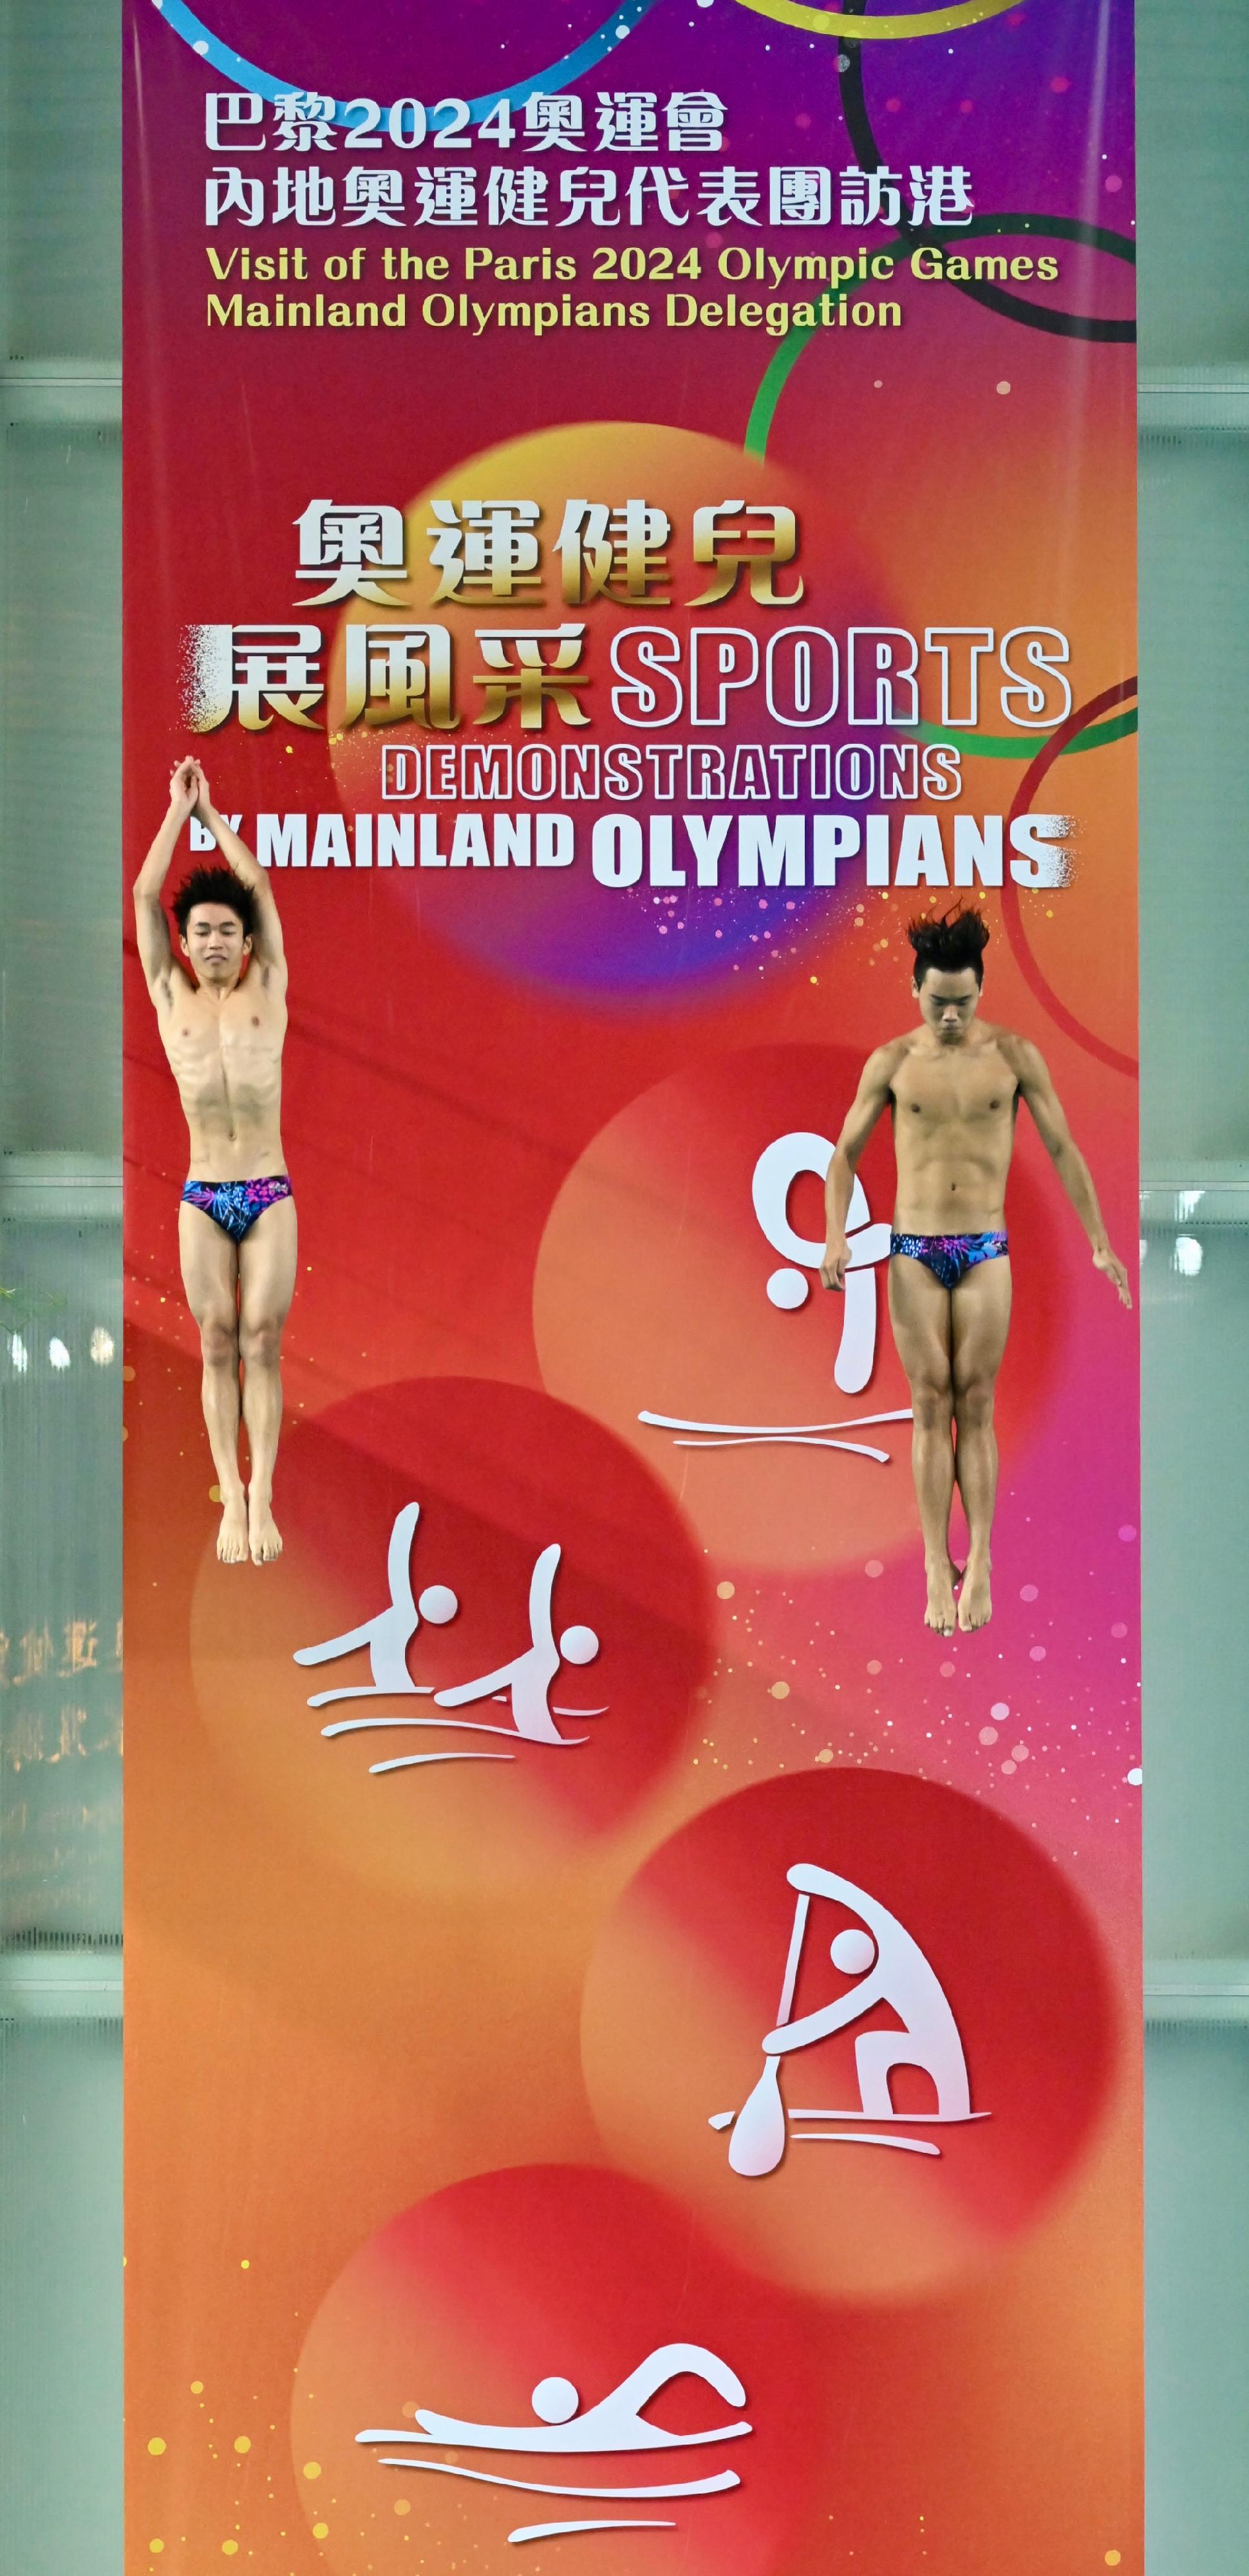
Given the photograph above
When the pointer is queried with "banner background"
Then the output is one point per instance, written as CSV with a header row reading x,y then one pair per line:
x,y
522,1137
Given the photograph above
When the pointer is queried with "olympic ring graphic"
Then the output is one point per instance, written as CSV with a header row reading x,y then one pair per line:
x,y
1013,308
235,67
1016,308
926,22
1079,720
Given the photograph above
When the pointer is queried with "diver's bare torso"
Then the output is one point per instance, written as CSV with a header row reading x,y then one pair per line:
x,y
226,1058
953,1111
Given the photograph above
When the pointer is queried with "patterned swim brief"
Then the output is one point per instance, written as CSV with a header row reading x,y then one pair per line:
x,y
235,1205
950,1256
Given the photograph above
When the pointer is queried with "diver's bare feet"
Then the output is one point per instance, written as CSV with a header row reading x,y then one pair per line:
x,y
262,1529
940,1613
975,1608
232,1535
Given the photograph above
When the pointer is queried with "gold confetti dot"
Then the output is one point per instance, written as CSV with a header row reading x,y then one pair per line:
x,y
320,2531
156,2547
229,2549
403,2505
312,2468
241,2442
245,2265
197,2388
1112,2557
778,1690
156,2446
725,1591
214,1493
825,1753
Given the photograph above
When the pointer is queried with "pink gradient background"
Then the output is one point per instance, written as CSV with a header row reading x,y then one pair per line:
x,y
349,2000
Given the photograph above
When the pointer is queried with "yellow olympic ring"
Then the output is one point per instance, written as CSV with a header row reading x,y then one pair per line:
x,y
832,22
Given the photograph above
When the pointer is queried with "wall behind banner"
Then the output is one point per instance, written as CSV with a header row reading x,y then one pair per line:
x,y
59,2259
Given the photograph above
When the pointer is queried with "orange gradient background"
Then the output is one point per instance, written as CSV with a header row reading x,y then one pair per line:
x,y
419,2067
684,1984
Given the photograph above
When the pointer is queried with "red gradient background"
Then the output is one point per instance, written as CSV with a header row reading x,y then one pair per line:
x,y
684,1984
457,2305
651,1296
500,1472
367,2156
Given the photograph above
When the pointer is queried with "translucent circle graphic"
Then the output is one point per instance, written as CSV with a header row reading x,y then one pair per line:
x,y
687,693
779,1422
453,2308
859,2022
349,1750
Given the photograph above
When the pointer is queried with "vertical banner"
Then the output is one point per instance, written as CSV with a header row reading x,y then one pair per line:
x,y
631,1500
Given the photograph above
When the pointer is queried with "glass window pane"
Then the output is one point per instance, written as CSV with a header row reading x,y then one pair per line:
x,y
62,154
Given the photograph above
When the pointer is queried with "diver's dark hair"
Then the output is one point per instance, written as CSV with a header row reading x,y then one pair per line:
x,y
948,941
215,885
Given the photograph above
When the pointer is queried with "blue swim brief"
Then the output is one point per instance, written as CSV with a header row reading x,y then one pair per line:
x,y
235,1205
950,1256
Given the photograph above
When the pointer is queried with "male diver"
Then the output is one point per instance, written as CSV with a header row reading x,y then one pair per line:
x,y
953,1088
222,1025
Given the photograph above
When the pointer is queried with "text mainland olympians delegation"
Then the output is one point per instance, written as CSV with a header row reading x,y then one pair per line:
x,y
835,307
524,313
